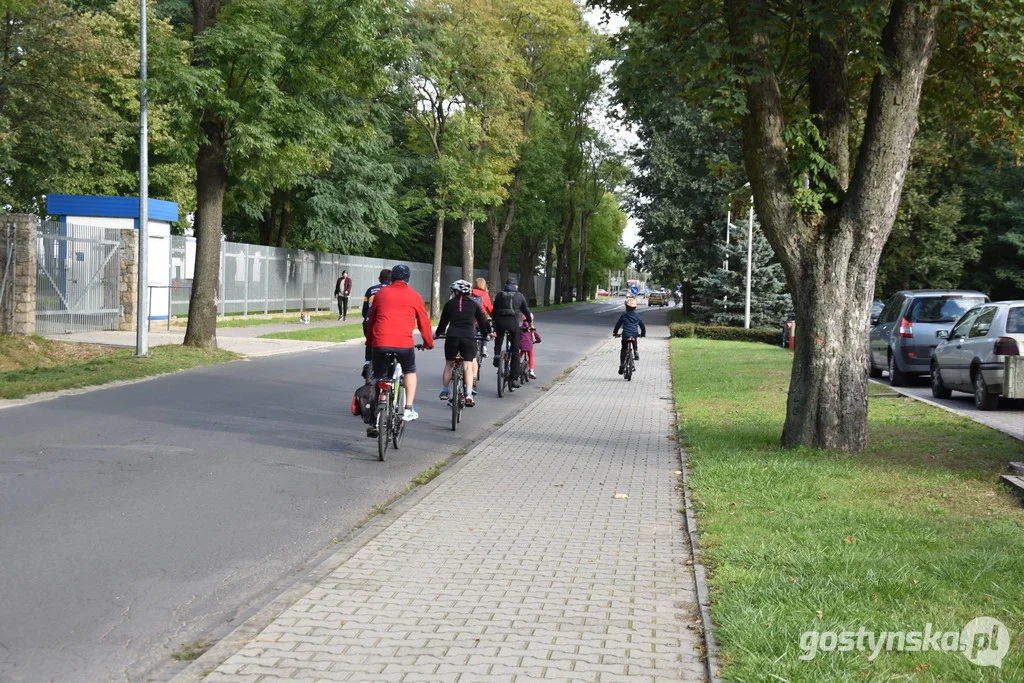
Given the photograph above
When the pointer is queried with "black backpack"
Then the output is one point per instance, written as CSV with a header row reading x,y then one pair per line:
x,y
363,403
504,303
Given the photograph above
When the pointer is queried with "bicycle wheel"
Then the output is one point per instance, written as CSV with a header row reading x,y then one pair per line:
x,y
456,395
383,429
501,379
628,374
397,423
524,367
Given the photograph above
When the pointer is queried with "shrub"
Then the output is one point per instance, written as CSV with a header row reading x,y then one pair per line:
x,y
766,335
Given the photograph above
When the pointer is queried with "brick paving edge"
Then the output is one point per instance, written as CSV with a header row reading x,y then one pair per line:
x,y
231,638
712,666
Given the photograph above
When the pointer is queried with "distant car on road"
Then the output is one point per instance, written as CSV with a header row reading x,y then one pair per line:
x,y
657,297
972,357
907,330
621,292
602,292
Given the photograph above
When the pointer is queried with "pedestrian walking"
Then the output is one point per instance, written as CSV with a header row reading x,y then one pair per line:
x,y
342,290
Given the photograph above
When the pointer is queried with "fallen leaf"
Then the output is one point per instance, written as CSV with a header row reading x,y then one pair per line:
x,y
849,539
822,496
791,580
921,667
621,496
820,614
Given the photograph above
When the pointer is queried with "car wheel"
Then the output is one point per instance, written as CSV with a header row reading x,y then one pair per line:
x,y
897,377
939,389
873,372
983,400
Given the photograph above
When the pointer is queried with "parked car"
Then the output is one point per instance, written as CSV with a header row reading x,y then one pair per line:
x,y
972,357
621,292
907,330
657,297
876,311
602,292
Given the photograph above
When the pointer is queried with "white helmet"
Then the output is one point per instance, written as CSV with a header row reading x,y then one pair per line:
x,y
462,287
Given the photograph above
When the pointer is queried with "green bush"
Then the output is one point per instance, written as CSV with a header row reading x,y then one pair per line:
x,y
766,335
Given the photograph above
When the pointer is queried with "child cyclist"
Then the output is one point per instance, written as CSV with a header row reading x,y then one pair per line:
x,y
631,323
528,336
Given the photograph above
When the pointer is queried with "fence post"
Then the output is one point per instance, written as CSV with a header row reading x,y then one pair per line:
x,y
223,246
266,288
245,305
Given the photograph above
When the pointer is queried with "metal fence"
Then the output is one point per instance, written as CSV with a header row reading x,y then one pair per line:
x,y
257,279
78,274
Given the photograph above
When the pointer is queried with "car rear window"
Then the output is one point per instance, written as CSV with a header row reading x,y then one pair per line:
x,y
941,309
1015,320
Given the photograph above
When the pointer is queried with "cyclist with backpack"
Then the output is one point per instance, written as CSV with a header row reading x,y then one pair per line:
x,y
509,305
459,321
481,296
396,310
632,326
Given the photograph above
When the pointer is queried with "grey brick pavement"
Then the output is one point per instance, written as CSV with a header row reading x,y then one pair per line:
x,y
521,564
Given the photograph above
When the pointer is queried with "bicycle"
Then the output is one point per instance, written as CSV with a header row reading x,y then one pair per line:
x,y
630,365
457,386
524,367
390,407
505,370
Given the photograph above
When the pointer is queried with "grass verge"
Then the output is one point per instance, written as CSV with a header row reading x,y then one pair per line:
x,y
291,317
43,365
337,333
914,531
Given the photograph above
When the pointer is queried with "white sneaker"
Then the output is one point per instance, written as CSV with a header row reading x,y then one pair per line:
x,y
410,414
532,375
444,394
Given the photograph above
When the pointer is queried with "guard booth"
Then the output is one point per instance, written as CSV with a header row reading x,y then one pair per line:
x,y
79,262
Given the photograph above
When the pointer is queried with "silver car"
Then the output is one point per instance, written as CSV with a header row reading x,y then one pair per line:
x,y
972,358
902,339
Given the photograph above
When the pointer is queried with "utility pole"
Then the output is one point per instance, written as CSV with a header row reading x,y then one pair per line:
x,y
142,308
750,254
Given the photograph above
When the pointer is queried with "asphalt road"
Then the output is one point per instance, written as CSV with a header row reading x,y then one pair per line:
x,y
141,518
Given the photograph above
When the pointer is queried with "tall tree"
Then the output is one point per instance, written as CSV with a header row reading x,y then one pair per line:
x,y
827,96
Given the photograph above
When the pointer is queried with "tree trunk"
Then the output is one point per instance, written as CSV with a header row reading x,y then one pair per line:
x,y
548,256
831,259
581,280
266,224
503,267
468,235
286,214
211,184
497,249
435,281
527,259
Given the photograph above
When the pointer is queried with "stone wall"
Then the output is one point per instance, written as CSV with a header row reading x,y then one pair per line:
x,y
129,287
22,299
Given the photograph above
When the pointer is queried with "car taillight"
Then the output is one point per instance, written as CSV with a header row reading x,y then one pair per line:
x,y
1005,346
906,329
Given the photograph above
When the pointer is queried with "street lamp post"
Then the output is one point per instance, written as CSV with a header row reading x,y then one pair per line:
x,y
142,309
750,254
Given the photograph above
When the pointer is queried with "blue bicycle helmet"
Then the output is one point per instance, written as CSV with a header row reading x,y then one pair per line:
x,y
400,273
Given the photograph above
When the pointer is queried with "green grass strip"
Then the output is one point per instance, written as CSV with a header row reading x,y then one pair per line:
x,y
914,531
337,333
119,365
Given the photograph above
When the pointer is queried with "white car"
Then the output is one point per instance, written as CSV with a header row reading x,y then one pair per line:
x,y
972,357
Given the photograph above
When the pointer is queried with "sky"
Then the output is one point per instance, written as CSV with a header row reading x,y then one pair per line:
x,y
621,135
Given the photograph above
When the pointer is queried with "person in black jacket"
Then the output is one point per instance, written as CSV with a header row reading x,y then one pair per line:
x,y
509,306
459,320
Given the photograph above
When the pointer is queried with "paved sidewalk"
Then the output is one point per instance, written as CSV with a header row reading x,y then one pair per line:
x,y
553,551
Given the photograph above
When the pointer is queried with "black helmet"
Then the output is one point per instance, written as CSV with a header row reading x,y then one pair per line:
x,y
400,273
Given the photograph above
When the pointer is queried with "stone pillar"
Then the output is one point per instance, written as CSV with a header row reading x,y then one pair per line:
x,y
18,308
129,286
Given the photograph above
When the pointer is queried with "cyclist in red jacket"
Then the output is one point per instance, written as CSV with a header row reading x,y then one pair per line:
x,y
396,310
